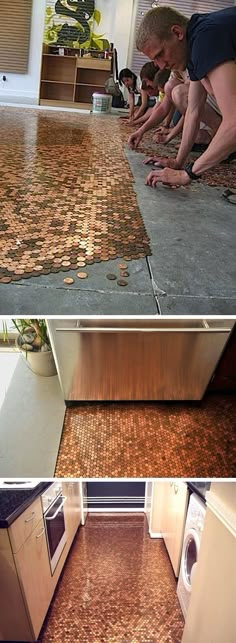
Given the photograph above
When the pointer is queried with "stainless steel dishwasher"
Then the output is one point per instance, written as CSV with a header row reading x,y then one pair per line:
x,y
136,359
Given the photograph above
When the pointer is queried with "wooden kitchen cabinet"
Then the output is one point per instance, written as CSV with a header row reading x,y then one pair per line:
x,y
173,523
24,526
27,585
32,564
72,508
168,515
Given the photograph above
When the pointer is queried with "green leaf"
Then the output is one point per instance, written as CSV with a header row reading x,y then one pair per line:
x,y
97,16
49,12
99,44
97,36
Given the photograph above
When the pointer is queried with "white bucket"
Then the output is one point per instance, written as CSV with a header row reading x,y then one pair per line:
x,y
102,103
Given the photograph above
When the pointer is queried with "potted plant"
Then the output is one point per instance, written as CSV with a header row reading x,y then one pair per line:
x,y
34,344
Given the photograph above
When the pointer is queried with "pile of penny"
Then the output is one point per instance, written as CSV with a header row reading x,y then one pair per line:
x,y
121,278
67,195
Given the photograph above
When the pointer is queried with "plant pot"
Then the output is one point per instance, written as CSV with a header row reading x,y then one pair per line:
x,y
40,362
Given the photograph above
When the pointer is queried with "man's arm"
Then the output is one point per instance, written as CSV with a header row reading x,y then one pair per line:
x,y
159,112
196,101
223,83
140,111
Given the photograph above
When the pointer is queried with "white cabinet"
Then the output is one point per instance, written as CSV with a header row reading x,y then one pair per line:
x,y
168,515
174,521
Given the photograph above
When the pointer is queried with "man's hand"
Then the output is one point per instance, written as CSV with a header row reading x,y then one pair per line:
x,y
167,162
161,137
150,160
173,178
134,139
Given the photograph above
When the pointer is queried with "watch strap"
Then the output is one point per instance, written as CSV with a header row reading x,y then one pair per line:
x,y
188,168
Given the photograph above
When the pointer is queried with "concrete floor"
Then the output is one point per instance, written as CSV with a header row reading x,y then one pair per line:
x,y
191,270
31,419
193,242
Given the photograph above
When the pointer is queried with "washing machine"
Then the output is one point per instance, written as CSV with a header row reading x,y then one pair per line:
x,y
190,552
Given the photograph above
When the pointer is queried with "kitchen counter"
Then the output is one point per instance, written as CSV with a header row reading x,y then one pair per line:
x,y
14,501
200,488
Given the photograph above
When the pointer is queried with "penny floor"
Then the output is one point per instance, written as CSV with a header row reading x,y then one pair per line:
x,y
117,587
150,439
63,202
74,202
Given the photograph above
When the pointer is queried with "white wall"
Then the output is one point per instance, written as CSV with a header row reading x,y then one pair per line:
x,y
24,88
211,616
116,24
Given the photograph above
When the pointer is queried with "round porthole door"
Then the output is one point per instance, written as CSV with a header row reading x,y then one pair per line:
x,y
189,557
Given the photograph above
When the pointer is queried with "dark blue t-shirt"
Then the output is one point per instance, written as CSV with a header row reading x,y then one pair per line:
x,y
211,40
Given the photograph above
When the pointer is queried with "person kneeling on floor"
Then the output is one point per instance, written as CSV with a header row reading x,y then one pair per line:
x,y
206,46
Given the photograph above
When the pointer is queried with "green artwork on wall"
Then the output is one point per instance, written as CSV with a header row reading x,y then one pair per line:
x,y
80,32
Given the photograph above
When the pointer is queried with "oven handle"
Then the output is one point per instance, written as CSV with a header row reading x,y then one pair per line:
x,y
64,498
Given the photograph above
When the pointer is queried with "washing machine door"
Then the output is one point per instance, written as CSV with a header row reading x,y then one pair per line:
x,y
189,557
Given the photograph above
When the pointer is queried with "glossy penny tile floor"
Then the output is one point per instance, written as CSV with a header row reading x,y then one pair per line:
x,y
67,197
150,440
117,587
223,175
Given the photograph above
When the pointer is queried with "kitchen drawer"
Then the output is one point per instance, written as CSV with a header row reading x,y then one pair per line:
x,y
110,359
23,526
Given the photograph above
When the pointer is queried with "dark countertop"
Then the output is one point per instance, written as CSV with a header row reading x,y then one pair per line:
x,y
199,487
14,501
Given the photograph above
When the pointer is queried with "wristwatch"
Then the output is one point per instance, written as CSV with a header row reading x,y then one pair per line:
x,y
188,168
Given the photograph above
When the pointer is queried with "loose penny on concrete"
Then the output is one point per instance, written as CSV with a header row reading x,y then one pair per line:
x,y
5,280
82,275
123,266
111,277
124,273
122,282
69,281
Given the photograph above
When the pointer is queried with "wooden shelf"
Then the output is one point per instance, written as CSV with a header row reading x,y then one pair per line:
x,y
94,63
57,82
71,81
89,85
63,103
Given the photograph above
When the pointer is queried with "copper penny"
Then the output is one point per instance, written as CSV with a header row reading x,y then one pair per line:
x,y
122,282
111,277
82,275
123,266
81,264
5,280
65,263
69,281
124,273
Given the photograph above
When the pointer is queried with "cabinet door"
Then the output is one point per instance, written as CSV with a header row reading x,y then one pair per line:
x,y
176,501
76,505
34,572
71,509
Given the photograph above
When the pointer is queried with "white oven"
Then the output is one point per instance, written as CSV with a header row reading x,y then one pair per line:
x,y
53,502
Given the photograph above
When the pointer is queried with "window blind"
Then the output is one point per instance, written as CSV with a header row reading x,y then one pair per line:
x,y
187,7
15,22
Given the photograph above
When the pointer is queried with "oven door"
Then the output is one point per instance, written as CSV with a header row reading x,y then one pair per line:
x,y
55,530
